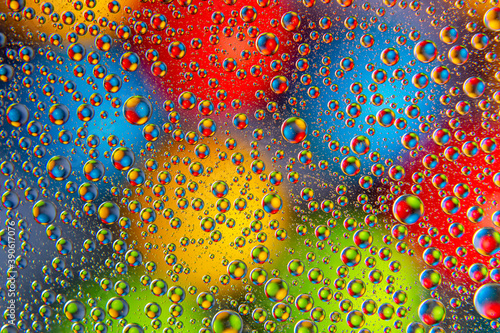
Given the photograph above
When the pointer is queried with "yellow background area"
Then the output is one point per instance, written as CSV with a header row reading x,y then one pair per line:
x,y
206,258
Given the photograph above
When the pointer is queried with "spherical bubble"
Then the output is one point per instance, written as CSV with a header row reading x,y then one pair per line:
x,y
430,161
267,44
304,302
441,75
85,112
432,256
415,327
488,145
360,145
260,254
279,84
478,272
325,294
408,209
367,40
240,121
207,127
430,279
112,83
158,287
187,100
290,21
177,50
6,72
191,137
431,312
93,170
137,110
17,114
294,130
495,218
452,153
305,326
448,35
369,307
275,178
64,246
353,110
258,276
248,14
176,294
272,203
315,275
207,224
58,114
237,269
220,189
496,179
227,321
159,69
475,214
104,236
206,107
480,41
474,87
158,22
350,256
350,165
44,212
103,42
355,319
487,301
386,311
108,212
76,51
58,168
420,80
389,56
134,258
276,289
122,158
31,194
356,288
399,231
441,136
295,267
130,61
281,312
74,310
322,232
196,169
363,238
425,51
136,176
385,117
486,241
6,168
9,328
412,111
10,200
347,64
491,19
458,55
410,140
133,328
205,300
450,205
16,5
117,308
